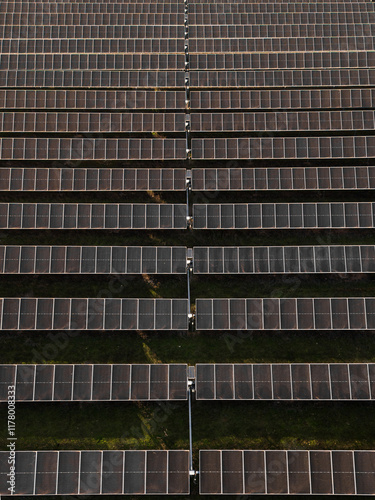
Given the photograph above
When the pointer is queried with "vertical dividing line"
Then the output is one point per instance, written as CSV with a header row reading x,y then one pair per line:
x,y
190,432
188,287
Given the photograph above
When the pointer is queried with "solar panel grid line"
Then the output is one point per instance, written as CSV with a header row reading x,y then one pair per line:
x,y
79,471
221,475
73,382
332,477
265,474
369,379
168,473
310,381
354,475
366,312
281,78
145,473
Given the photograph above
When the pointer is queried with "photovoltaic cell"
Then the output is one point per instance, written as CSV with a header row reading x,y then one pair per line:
x,y
284,314
92,260
296,381
91,123
278,178
92,216
284,216
70,314
91,149
96,472
280,78
240,472
97,382
283,148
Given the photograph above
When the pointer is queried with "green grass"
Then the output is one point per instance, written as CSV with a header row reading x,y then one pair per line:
x,y
249,425
191,348
210,286
69,426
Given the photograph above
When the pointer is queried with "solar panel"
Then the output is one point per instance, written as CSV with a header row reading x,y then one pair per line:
x,y
92,123
277,60
270,260
92,260
69,31
91,78
283,148
285,382
142,7
215,8
292,472
267,1
285,314
271,99
92,99
276,78
93,61
92,149
91,46
80,7
98,472
91,19
280,178
276,18
281,45
281,215
93,314
92,179
110,382
301,121
277,30
92,216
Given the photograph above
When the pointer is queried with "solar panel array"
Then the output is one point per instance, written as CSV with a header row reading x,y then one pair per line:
x,y
284,215
173,260
303,381
161,382
278,259
98,472
290,472
92,216
92,179
92,260
94,382
293,99
283,178
174,179
92,99
300,121
91,149
93,314
284,148
286,314
92,78
61,52
274,78
104,123
261,96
